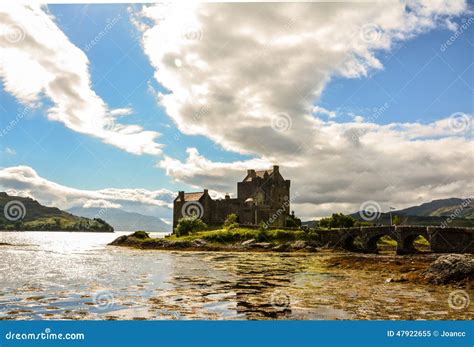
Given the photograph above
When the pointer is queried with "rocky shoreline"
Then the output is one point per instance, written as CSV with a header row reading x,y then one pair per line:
x,y
203,245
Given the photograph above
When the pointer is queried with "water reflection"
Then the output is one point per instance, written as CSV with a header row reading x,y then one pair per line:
x,y
76,276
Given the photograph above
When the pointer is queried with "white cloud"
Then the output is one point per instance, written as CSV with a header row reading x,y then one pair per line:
x,y
250,74
25,181
322,110
100,203
38,63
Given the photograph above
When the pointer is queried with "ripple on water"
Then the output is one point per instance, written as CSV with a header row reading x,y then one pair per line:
x,y
61,275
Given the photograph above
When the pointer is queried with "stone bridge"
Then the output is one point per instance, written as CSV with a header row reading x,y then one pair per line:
x,y
364,239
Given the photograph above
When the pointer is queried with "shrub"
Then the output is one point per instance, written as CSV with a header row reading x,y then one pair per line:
x,y
361,223
292,221
189,225
231,221
141,235
262,235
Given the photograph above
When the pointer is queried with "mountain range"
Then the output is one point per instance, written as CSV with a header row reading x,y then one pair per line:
x,y
459,211
462,208
122,220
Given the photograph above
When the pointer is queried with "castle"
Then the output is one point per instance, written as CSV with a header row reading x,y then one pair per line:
x,y
262,197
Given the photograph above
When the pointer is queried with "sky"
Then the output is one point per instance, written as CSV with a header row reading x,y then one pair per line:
x,y
123,105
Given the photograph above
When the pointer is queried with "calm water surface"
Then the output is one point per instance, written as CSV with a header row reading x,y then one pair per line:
x,y
54,275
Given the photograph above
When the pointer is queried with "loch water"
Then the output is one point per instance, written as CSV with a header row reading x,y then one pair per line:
x,y
60,275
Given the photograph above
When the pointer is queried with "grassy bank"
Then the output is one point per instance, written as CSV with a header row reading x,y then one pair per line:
x,y
235,239
228,236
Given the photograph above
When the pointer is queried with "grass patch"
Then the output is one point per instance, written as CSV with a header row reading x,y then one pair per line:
x,y
237,235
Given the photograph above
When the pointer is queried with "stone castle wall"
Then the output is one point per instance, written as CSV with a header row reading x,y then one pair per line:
x,y
260,198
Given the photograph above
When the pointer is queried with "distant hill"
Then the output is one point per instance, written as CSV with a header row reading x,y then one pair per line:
x,y
430,213
23,213
123,220
443,207
384,219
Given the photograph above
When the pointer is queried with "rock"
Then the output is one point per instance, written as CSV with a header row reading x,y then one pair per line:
x,y
199,242
119,240
311,249
178,244
284,247
402,278
450,268
397,279
300,244
248,242
261,245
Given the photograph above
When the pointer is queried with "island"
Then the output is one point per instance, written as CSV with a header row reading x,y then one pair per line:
x,y
26,214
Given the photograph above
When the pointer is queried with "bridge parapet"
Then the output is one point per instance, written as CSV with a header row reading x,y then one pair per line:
x,y
451,240
442,240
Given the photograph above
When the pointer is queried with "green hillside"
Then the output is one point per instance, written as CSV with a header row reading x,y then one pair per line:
x,y
460,208
25,214
384,219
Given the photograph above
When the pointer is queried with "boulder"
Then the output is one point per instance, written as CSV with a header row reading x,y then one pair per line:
x,y
119,240
199,243
311,249
300,244
284,247
248,242
265,245
450,268
178,244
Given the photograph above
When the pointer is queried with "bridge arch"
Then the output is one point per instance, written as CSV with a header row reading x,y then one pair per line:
x,y
408,236
372,246
371,235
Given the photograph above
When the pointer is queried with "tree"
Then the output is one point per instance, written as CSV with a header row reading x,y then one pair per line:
x,y
231,221
396,220
189,225
337,220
